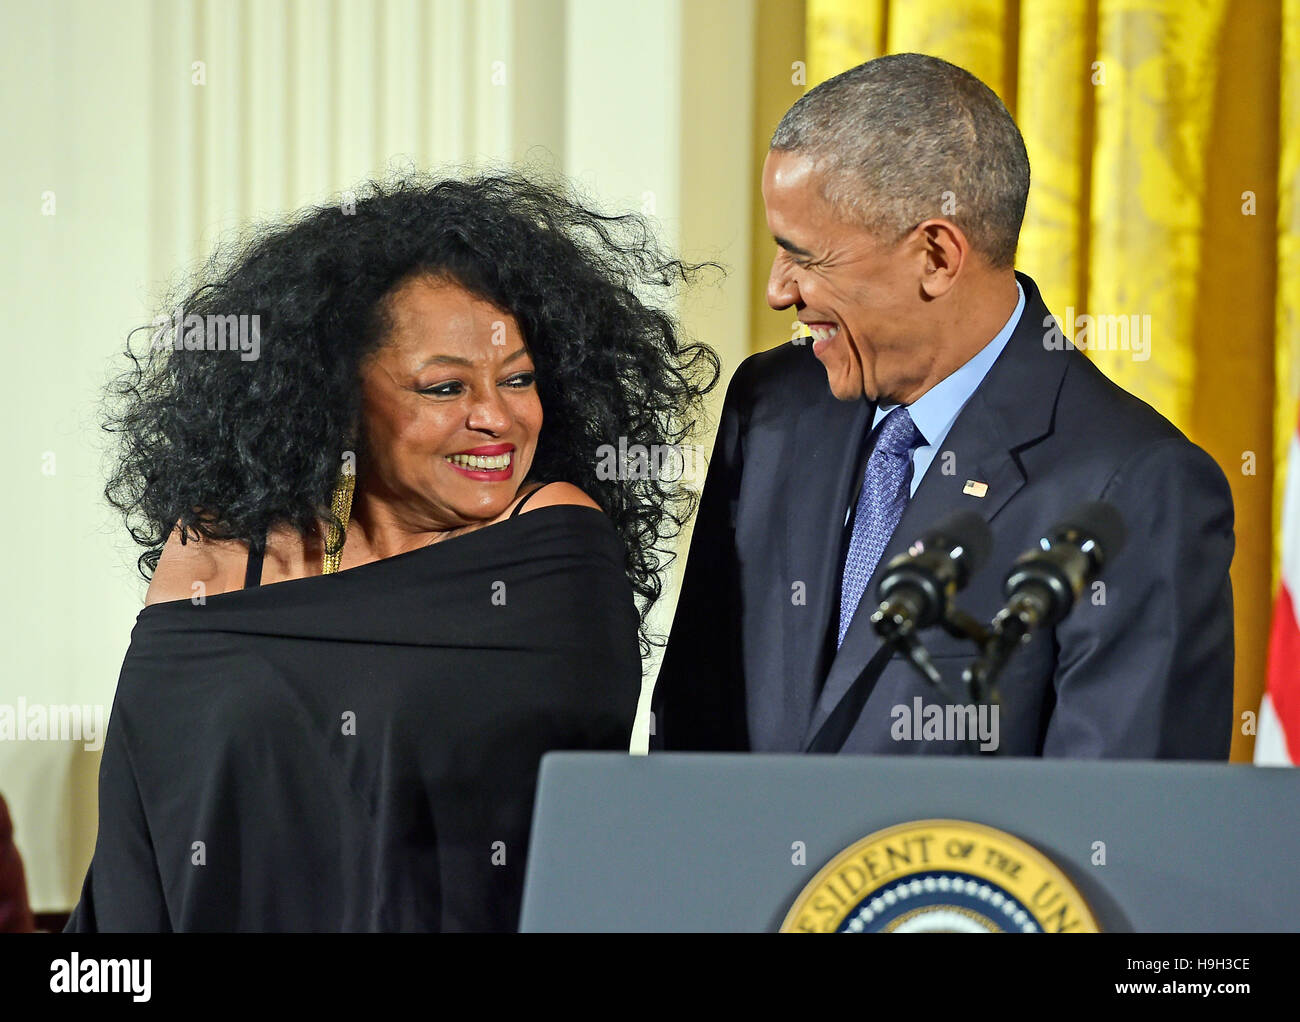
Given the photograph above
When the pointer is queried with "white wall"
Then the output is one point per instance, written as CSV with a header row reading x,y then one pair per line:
x,y
646,103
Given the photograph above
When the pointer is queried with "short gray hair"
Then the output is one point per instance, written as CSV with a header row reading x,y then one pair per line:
x,y
907,137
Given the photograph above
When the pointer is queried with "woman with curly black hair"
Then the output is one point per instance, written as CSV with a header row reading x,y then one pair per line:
x,y
415,394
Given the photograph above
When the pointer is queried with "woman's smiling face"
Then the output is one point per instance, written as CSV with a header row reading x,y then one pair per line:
x,y
451,407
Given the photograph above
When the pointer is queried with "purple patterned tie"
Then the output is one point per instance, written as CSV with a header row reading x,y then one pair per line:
x,y
886,487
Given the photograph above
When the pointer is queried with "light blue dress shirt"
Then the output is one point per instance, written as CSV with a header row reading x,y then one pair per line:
x,y
934,412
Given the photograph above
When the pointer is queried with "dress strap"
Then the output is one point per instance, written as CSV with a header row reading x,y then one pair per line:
x,y
253,572
519,506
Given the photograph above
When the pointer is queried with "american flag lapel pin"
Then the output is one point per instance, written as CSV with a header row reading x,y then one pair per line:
x,y
975,488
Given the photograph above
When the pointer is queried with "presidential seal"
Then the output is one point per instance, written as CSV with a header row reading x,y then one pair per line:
x,y
940,876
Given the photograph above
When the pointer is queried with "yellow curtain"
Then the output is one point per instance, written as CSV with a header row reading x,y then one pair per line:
x,y
1161,135
1286,368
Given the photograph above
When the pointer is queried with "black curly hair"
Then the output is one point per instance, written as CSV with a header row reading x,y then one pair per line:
x,y
229,447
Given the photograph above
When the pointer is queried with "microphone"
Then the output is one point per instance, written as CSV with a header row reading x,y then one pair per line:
x,y
1044,582
917,587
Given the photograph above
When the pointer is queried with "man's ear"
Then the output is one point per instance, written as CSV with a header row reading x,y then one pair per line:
x,y
945,251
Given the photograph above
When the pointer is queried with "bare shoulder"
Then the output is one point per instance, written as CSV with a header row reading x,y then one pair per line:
x,y
552,494
217,564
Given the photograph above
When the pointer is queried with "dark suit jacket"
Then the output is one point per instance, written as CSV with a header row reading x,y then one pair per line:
x,y
1145,674
15,913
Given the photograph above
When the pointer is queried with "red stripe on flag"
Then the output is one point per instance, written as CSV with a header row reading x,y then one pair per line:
x,y
1284,670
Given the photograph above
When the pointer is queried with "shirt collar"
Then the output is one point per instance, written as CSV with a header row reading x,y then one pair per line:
x,y
934,411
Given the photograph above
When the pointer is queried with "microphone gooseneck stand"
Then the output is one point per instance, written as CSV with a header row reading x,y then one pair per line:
x,y
1043,585
979,679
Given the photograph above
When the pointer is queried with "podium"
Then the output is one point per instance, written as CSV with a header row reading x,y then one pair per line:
x,y
726,842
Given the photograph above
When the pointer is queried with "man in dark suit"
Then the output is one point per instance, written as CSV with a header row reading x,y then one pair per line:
x,y
895,194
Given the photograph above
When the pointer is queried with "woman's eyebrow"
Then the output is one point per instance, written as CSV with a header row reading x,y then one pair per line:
x,y
457,360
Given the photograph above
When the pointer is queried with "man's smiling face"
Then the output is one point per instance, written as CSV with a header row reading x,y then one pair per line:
x,y
861,295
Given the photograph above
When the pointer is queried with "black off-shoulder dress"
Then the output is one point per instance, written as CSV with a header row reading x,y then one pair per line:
x,y
358,751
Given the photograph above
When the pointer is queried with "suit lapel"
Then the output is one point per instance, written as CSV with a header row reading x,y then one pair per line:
x,y
1010,409
828,442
